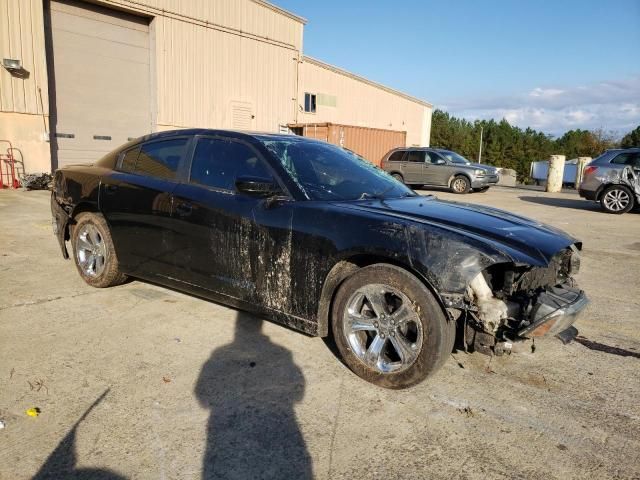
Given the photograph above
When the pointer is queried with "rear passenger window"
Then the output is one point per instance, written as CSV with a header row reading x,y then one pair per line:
x,y
128,163
628,158
160,159
217,163
396,156
415,156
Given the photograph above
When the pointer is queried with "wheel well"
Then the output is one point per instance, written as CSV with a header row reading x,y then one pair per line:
x,y
77,210
453,177
602,188
599,191
343,270
395,172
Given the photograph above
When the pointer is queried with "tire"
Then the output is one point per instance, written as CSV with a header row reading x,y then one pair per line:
x,y
617,199
398,177
93,251
460,184
481,190
367,340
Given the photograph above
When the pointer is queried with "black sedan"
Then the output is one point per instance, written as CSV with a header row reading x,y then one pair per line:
x,y
309,235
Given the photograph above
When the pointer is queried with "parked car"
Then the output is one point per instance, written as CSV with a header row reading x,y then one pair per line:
x,y
308,235
438,167
612,180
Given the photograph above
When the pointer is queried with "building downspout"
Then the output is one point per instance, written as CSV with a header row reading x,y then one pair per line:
x,y
296,105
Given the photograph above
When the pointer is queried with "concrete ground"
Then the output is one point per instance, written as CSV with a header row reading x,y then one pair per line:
x,y
142,382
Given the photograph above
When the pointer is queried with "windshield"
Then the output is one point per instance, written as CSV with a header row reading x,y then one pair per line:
x,y
327,172
454,157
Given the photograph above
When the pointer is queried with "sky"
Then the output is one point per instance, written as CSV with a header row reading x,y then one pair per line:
x,y
549,65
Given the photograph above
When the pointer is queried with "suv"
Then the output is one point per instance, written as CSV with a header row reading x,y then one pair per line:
x,y
438,167
612,180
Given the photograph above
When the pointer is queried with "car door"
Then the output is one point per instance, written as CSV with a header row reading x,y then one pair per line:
x,y
136,201
227,241
436,170
414,165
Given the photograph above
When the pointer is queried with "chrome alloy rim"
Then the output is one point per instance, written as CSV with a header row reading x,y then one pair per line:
x,y
459,185
91,251
616,200
382,328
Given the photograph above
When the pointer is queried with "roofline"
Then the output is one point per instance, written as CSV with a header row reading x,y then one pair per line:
x,y
364,80
282,11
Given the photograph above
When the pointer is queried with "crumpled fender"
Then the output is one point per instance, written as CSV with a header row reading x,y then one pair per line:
x,y
60,222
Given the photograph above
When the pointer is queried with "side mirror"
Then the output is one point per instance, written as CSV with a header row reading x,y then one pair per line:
x,y
257,187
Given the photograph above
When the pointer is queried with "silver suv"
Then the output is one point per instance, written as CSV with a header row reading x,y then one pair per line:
x,y
439,167
612,180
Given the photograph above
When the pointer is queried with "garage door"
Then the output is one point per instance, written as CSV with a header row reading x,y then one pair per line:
x,y
101,75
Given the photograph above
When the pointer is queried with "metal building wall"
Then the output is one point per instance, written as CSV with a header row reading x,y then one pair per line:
x,y
221,63
361,102
24,101
217,61
225,75
370,143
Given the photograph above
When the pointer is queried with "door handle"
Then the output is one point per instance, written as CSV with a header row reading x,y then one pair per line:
x,y
184,209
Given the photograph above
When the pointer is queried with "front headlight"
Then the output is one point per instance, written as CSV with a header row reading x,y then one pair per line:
x,y
480,173
574,261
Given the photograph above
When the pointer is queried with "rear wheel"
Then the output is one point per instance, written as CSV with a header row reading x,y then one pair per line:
x,y
460,184
389,328
617,199
93,251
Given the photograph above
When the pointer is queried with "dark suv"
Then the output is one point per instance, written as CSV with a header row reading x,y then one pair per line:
x,y
439,167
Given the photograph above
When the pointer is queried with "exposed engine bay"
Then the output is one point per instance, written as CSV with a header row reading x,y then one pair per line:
x,y
511,303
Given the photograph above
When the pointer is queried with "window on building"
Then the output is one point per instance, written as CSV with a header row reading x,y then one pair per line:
x,y
161,159
310,102
397,156
217,163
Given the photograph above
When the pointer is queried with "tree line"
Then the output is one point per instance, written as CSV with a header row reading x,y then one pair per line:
x,y
507,146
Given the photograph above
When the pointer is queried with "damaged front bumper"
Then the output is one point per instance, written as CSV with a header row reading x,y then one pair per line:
x,y
554,312
551,313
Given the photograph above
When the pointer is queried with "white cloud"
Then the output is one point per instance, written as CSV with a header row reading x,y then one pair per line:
x,y
612,105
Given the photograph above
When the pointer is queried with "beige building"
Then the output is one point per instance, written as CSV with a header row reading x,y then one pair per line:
x,y
80,78
344,98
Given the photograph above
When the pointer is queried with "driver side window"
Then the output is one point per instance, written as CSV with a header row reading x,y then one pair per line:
x,y
434,159
219,162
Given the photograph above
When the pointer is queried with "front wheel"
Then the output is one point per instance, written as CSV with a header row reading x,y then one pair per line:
x,y
398,177
389,328
617,199
460,184
93,251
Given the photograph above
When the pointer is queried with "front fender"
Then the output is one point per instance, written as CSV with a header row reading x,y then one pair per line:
x,y
60,220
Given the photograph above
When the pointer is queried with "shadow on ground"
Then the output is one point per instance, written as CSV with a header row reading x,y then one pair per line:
x,y
62,461
577,204
251,386
601,347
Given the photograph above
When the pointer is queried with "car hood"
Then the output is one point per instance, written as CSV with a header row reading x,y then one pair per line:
x,y
522,239
484,166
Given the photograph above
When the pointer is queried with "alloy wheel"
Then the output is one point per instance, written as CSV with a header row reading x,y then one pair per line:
x,y
459,185
616,200
382,328
91,250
